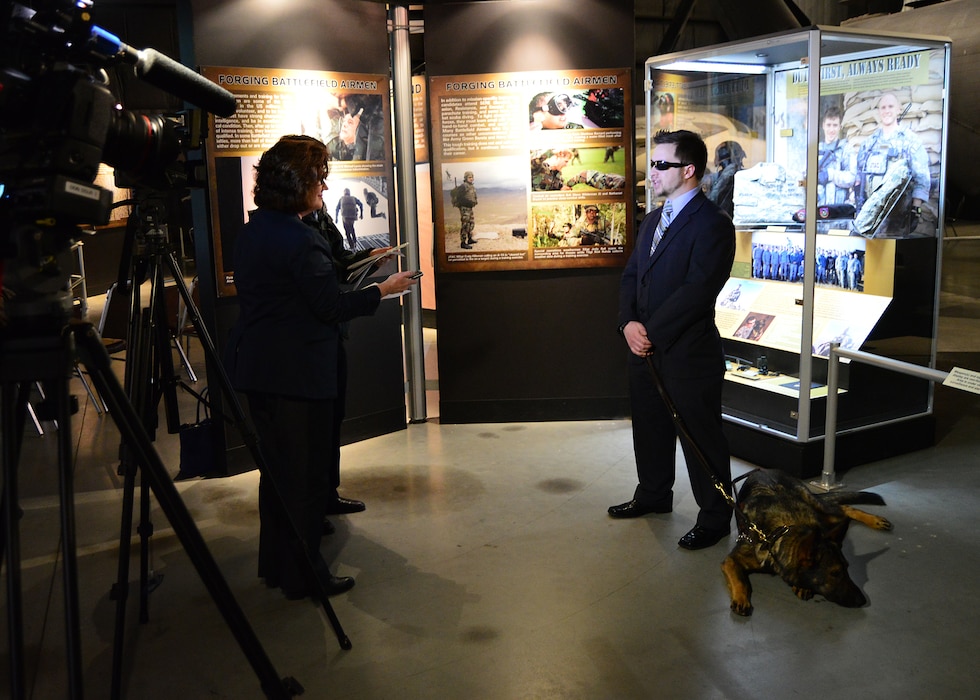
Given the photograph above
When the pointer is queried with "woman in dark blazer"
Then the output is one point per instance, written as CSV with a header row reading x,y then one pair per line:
x,y
285,354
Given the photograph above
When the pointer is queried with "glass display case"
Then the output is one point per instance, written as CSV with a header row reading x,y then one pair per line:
x,y
836,193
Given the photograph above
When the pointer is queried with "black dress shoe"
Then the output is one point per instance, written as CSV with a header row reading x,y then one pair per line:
x,y
344,506
332,585
634,509
699,538
335,585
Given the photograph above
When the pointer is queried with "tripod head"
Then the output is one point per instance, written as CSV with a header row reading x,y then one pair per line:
x,y
58,122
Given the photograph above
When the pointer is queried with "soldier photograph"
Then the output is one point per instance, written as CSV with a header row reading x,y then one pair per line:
x,y
892,160
463,197
349,209
590,229
551,110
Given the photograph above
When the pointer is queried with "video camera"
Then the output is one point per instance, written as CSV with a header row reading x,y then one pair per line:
x,y
59,121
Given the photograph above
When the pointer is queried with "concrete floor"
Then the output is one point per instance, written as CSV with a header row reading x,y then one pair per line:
x,y
487,568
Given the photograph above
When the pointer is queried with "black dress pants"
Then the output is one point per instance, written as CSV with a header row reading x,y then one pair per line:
x,y
294,435
698,402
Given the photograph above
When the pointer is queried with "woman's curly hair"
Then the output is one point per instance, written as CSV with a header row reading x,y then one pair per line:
x,y
287,172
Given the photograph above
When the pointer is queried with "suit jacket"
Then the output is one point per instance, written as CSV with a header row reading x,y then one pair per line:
x,y
673,292
287,337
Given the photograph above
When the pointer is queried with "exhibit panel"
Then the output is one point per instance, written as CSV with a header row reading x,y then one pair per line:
x,y
527,325
836,194
544,155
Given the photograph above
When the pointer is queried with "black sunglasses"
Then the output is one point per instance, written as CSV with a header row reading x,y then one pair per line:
x,y
666,164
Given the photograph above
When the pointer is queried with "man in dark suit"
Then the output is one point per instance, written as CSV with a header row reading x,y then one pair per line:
x,y
682,259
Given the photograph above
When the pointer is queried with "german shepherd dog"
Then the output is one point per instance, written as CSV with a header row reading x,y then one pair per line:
x,y
797,536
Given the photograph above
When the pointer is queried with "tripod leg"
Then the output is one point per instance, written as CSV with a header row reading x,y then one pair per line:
x,y
34,419
47,359
184,360
11,527
66,488
250,437
163,361
148,580
96,401
120,591
139,360
97,361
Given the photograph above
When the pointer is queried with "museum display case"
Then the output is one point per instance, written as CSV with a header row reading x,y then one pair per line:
x,y
836,193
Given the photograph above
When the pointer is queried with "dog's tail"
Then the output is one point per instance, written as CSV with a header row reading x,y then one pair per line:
x,y
842,498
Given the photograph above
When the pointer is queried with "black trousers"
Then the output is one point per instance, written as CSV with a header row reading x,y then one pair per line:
x,y
698,402
295,436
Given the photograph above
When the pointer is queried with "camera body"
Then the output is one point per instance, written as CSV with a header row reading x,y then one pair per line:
x,y
55,130
58,122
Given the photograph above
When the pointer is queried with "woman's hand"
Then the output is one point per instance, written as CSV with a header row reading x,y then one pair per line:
x,y
397,283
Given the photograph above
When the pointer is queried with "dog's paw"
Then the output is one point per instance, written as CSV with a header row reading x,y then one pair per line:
x,y
880,523
803,593
742,607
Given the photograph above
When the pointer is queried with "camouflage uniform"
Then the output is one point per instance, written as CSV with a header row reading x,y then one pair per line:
x,y
835,172
543,177
878,152
467,200
598,180
586,232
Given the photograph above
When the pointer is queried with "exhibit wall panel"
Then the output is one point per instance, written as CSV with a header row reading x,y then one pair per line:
x,y
529,344
335,37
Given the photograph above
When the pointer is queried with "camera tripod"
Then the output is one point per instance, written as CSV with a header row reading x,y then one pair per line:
x,y
150,376
46,352
50,359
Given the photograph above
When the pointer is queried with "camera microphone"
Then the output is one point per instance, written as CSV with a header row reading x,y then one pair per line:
x,y
167,74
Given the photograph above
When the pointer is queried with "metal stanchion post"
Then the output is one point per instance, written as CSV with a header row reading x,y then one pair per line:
x,y
828,479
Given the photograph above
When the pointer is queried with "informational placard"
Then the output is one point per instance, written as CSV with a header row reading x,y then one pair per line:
x,y
963,379
762,303
532,170
349,112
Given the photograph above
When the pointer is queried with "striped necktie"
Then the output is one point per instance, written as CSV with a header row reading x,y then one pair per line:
x,y
665,217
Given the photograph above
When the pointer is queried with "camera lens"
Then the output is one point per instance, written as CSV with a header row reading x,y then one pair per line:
x,y
140,144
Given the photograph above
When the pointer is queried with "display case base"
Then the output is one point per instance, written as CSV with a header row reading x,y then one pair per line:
x,y
533,410
805,459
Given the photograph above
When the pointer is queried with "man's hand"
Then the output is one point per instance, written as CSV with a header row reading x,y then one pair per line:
x,y
637,340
